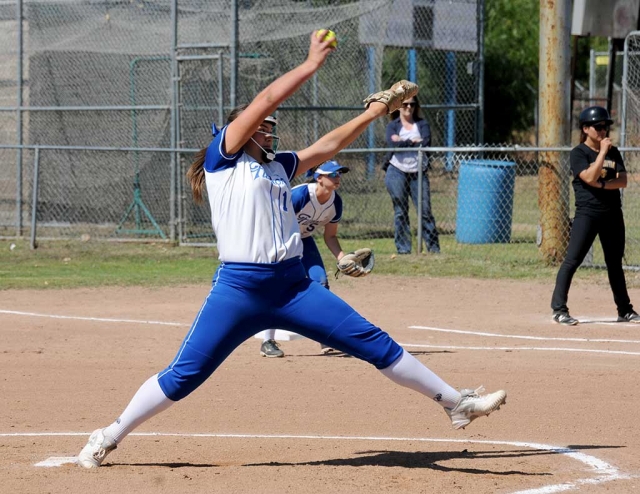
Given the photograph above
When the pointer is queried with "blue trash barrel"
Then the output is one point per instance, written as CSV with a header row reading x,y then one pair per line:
x,y
485,201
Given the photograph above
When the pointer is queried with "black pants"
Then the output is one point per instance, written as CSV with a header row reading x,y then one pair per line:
x,y
610,228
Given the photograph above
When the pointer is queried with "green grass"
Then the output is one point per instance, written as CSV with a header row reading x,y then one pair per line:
x,y
367,221
62,264
71,264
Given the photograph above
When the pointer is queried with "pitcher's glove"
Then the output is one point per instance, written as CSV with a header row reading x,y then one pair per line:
x,y
394,96
356,264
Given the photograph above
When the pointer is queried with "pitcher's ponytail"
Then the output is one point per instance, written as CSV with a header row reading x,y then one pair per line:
x,y
195,175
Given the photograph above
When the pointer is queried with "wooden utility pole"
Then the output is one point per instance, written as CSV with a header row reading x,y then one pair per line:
x,y
554,110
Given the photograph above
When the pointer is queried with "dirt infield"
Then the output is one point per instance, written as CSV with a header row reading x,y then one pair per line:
x,y
309,423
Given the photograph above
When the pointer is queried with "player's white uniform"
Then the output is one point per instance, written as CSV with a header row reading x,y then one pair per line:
x,y
251,206
261,282
311,216
310,213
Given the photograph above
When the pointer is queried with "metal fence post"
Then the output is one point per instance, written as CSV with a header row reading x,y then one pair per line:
x,y
371,137
34,201
420,192
173,120
19,122
233,54
480,77
592,76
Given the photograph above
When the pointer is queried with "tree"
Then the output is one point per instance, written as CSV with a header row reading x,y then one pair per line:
x,y
511,67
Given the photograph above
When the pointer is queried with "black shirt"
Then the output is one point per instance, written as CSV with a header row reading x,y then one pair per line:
x,y
594,199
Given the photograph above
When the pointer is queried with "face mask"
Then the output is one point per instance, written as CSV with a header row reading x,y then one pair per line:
x,y
267,154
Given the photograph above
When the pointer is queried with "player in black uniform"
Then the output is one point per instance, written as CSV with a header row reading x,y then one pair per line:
x,y
598,175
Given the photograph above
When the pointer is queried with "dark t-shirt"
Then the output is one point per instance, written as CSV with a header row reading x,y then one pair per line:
x,y
594,199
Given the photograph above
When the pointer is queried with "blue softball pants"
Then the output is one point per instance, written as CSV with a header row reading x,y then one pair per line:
x,y
248,298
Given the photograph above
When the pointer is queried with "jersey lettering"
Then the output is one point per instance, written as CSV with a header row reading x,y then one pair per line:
x,y
310,213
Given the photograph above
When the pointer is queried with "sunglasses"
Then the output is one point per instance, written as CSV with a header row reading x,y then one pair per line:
x,y
333,174
408,105
600,127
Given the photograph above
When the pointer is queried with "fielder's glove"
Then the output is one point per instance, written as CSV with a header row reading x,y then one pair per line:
x,y
394,96
356,264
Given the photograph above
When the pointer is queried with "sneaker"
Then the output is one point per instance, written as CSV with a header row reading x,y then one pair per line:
x,y
96,450
472,405
271,349
566,319
326,349
631,316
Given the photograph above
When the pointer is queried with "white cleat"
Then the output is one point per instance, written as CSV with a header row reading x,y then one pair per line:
x,y
472,405
96,450
326,349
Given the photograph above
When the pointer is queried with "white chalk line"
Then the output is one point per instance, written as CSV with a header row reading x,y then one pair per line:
x,y
56,461
522,337
518,349
414,345
429,328
603,471
98,319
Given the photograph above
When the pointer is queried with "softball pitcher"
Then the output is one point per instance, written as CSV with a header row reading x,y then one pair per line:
x,y
261,282
316,205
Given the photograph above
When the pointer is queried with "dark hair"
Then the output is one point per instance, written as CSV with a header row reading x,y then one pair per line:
x,y
417,112
235,113
583,134
195,174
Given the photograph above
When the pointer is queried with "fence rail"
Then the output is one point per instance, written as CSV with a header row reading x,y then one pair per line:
x,y
485,200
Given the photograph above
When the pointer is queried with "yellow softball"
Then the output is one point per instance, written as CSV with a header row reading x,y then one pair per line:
x,y
328,36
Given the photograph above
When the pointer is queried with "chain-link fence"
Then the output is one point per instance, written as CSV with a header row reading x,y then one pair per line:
x,y
156,74
631,91
487,204
118,96
596,91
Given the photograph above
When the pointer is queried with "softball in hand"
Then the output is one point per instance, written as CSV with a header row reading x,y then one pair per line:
x,y
328,36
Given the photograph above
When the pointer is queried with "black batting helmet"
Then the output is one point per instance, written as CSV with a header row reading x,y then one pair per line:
x,y
594,115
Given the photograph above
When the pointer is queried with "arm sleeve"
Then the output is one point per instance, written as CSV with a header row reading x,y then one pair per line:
x,y
337,203
289,161
392,128
615,155
216,159
299,197
578,160
389,132
425,133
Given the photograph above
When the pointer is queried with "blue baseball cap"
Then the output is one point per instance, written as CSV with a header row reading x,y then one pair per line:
x,y
329,167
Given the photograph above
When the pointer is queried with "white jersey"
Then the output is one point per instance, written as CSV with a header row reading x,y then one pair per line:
x,y
407,161
310,213
251,209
